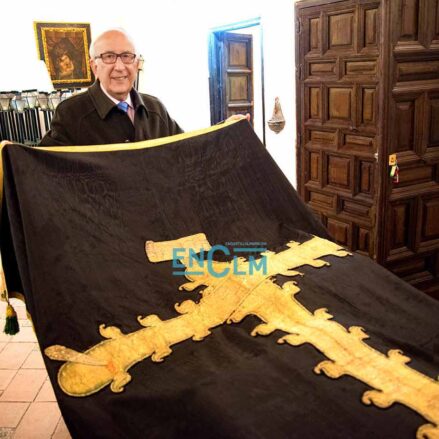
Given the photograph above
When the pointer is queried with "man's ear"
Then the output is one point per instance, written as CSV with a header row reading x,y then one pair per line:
x,y
93,66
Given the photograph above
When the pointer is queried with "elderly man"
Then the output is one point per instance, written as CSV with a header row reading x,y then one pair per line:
x,y
110,111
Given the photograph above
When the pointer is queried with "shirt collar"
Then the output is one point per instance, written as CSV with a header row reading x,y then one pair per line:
x,y
127,100
105,103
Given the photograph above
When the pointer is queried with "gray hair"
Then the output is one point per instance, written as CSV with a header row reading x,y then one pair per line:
x,y
122,31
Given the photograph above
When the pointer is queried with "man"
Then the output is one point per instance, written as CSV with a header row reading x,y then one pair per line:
x,y
110,111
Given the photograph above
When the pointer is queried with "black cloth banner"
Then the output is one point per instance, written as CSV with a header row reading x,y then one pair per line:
x,y
74,226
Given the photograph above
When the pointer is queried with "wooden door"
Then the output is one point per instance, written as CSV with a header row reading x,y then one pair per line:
x,y
238,73
410,236
339,118
231,87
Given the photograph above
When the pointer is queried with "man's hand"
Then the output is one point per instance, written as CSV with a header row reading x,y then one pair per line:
x,y
239,117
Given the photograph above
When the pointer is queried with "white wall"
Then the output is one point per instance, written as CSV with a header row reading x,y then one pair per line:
x,y
278,23
172,35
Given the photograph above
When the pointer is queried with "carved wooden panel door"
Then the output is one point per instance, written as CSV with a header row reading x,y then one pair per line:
x,y
338,62
238,74
410,237
368,87
231,69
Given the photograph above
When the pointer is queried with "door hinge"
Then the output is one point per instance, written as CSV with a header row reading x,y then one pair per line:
x,y
299,140
299,71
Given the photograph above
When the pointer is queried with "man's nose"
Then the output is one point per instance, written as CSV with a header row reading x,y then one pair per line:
x,y
119,64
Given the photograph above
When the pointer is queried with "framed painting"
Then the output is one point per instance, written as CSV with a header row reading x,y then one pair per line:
x,y
64,47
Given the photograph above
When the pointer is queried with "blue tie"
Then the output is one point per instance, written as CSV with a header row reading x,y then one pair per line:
x,y
123,106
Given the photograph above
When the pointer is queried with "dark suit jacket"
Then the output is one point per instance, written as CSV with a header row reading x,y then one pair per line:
x,y
91,118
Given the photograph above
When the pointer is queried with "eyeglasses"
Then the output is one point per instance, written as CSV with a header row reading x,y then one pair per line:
x,y
111,57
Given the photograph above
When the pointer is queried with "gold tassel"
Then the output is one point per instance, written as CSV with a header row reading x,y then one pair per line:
x,y
11,324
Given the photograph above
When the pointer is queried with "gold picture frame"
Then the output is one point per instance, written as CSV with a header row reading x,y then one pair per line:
x,y
64,47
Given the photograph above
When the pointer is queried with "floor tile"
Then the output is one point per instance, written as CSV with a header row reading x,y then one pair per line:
x,y
28,408
46,393
25,385
4,338
13,355
61,431
34,361
26,334
6,376
11,413
39,422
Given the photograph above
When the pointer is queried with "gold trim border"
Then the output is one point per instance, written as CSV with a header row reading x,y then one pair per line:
x,y
138,145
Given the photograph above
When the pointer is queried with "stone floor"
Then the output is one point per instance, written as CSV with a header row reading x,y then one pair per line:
x,y
28,408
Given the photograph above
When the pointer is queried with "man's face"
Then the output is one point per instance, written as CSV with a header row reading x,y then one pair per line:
x,y
118,78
